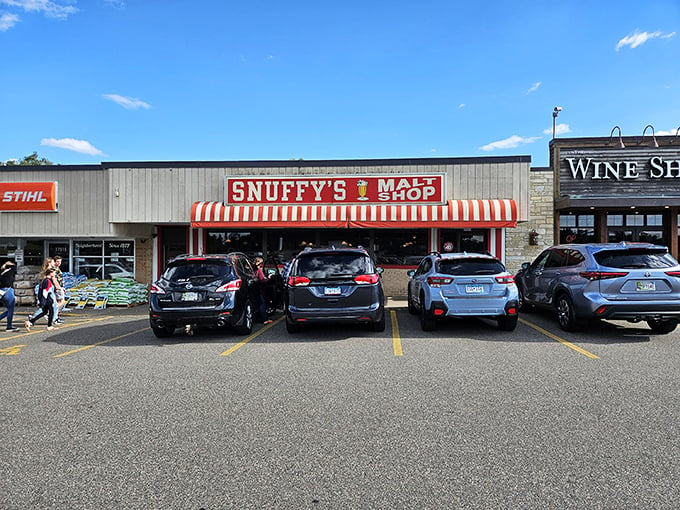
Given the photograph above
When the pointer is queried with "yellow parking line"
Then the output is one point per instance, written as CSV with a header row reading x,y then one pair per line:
x,y
254,335
85,347
60,326
558,339
396,339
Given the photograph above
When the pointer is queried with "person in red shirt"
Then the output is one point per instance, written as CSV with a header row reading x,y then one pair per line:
x,y
45,300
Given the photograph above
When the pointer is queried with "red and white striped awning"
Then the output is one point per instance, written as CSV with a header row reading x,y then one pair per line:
x,y
453,214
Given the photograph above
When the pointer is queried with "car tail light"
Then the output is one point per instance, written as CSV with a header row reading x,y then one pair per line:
x,y
438,311
507,279
298,281
601,275
673,273
156,289
512,311
437,281
231,286
367,278
601,310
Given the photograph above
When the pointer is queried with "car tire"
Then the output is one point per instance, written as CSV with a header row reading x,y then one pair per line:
x,y
245,323
522,306
566,315
412,308
427,320
662,326
508,322
164,332
379,325
291,326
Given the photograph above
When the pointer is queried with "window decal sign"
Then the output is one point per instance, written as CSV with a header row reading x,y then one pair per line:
x,y
334,189
28,196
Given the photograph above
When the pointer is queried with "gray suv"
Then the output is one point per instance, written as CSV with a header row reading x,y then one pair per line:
x,y
624,281
334,285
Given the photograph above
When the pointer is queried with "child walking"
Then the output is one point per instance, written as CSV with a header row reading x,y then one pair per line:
x,y
45,300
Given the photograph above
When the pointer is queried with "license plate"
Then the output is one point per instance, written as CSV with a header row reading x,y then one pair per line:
x,y
190,296
332,291
474,289
645,286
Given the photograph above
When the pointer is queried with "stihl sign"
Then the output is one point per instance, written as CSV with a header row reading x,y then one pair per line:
x,y
28,196
362,189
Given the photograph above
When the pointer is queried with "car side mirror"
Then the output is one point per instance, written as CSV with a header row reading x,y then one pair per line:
x,y
411,272
525,266
379,270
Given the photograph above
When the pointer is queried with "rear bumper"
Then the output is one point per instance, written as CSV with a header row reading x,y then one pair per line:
x,y
494,307
637,311
372,313
180,318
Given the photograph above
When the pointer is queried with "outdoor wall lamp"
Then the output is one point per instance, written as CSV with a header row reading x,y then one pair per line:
x,y
533,238
619,145
653,144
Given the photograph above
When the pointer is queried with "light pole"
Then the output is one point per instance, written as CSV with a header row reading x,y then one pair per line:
x,y
556,112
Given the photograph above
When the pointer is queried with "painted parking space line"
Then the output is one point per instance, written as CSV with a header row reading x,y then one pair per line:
x,y
251,337
558,339
85,347
38,329
396,338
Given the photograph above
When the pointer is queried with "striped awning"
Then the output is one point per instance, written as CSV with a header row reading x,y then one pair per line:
x,y
453,214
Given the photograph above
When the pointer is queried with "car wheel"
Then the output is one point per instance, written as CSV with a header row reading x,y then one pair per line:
x,y
522,306
566,315
164,332
379,325
662,325
412,308
245,325
507,322
427,320
291,326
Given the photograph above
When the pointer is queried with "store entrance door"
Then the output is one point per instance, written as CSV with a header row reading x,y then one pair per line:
x,y
63,250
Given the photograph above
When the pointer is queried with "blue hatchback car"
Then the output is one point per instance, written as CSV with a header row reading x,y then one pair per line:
x,y
462,285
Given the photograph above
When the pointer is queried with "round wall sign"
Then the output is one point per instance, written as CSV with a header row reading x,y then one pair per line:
x,y
448,246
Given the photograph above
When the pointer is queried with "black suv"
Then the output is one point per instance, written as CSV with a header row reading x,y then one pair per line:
x,y
327,285
204,290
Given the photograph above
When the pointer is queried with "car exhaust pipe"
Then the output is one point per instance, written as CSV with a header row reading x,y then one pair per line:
x,y
221,322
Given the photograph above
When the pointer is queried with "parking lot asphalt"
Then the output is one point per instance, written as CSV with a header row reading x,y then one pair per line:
x,y
101,414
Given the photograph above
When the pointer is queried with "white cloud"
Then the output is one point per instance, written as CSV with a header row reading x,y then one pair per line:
x,y
534,87
462,105
47,7
637,38
666,133
560,129
510,143
82,146
7,21
129,103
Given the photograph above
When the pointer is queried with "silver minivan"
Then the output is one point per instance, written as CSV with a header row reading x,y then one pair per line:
x,y
624,281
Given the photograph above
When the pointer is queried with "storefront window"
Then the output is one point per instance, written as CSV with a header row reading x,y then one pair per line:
x,y
400,247
104,259
457,240
227,241
34,253
283,245
341,237
7,249
577,228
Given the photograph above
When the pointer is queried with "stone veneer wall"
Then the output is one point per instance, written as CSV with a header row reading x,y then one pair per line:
x,y
541,219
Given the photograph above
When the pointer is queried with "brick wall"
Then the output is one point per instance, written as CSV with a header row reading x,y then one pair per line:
x,y
517,247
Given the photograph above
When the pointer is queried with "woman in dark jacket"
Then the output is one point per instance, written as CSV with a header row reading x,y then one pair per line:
x,y
46,302
8,272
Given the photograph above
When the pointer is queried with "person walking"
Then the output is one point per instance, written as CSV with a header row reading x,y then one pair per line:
x,y
59,295
262,283
8,272
46,302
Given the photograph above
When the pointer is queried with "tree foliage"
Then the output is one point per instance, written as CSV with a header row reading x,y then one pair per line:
x,y
30,160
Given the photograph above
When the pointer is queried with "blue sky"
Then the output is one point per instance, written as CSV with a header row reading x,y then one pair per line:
x,y
83,82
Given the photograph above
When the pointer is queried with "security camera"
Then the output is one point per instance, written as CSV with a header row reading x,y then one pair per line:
x,y
557,109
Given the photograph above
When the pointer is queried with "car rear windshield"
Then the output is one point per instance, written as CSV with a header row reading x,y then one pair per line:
x,y
635,259
333,265
195,270
461,267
